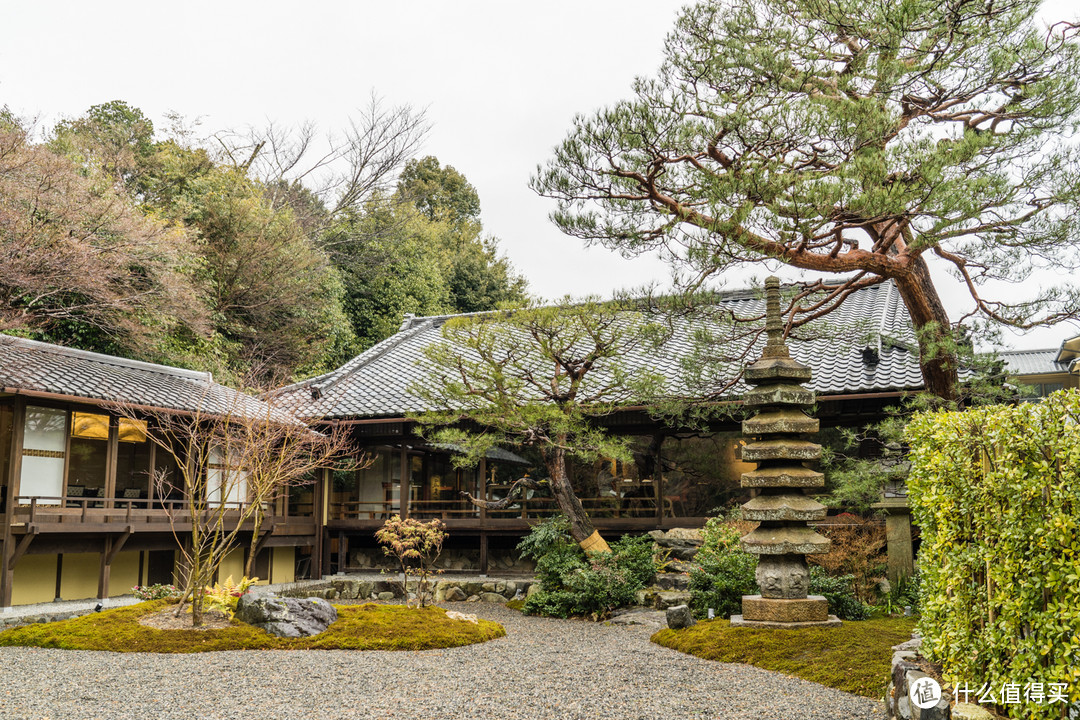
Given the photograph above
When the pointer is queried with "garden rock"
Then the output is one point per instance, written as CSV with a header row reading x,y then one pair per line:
x,y
386,595
669,598
455,594
639,616
286,617
682,542
492,597
680,617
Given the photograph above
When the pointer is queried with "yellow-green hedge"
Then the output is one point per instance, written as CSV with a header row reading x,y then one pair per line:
x,y
996,492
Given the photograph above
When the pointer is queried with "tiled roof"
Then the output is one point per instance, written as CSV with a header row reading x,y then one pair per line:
x,y
31,366
1033,362
869,348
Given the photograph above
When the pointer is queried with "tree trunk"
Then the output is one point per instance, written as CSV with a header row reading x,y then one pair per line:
x,y
937,345
257,518
581,527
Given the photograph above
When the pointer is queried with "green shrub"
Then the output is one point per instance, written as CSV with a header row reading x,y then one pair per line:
x,y
156,591
839,591
573,584
723,573
719,581
996,492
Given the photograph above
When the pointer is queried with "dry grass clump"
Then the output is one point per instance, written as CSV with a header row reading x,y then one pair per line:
x,y
857,549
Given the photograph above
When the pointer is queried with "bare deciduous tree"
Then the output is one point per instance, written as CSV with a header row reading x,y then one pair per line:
x,y
343,169
233,458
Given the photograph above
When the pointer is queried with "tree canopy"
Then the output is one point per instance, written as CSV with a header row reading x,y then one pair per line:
x,y
81,263
421,250
246,253
867,139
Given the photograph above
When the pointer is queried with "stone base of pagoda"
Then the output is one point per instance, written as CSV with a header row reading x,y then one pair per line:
x,y
739,621
811,609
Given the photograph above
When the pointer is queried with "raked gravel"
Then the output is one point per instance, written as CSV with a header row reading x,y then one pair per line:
x,y
543,668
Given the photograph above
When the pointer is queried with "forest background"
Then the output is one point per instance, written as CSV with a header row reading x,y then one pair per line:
x,y
262,255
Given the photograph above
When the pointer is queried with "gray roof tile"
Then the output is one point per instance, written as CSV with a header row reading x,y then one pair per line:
x,y
377,382
1033,362
31,366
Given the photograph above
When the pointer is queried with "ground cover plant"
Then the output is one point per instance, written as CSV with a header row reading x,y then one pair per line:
x,y
359,627
853,657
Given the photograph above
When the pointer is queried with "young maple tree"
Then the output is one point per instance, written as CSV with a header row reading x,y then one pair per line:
x,y
416,545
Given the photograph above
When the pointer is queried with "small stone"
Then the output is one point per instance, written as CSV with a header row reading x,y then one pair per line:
x,y
970,711
455,594
473,598
680,617
913,644
492,597
386,595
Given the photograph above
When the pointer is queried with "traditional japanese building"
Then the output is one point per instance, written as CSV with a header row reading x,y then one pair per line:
x,y
80,515
863,355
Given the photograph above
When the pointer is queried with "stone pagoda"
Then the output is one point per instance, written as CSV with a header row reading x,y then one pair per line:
x,y
776,442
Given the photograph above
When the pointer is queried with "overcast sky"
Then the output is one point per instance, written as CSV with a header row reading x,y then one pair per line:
x,y
500,82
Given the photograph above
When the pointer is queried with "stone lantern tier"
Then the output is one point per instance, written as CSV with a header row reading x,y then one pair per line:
x,y
777,442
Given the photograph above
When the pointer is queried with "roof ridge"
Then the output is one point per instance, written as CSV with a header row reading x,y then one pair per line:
x,y
106,359
372,353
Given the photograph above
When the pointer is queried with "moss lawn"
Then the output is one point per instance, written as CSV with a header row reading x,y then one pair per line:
x,y
358,627
854,657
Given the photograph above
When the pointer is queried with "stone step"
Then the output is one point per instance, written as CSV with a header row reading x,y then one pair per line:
x,y
662,599
672,581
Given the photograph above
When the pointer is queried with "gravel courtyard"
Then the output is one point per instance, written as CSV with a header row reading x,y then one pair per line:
x,y
551,669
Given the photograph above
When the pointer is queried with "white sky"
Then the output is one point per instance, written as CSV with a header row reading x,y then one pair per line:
x,y
500,81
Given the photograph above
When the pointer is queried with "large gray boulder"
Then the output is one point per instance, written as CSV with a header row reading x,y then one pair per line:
x,y
286,617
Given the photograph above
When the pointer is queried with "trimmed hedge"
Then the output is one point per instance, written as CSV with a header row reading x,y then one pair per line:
x,y
996,491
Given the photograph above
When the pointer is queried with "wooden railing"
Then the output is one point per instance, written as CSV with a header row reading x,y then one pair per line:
x,y
38,509
525,508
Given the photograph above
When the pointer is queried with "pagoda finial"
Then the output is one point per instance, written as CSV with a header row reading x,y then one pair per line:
x,y
774,323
